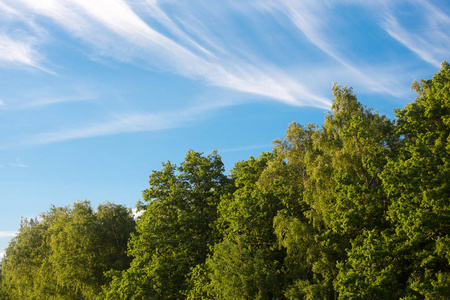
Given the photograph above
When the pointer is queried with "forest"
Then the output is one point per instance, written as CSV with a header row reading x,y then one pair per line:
x,y
358,208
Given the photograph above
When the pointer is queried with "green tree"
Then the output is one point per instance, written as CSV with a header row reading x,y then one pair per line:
x,y
238,271
87,243
247,263
175,231
344,185
410,259
418,183
334,191
64,253
23,259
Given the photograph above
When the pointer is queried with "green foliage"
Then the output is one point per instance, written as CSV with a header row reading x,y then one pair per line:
x,y
64,253
240,272
175,231
418,182
199,284
372,270
344,187
246,264
409,259
249,211
24,256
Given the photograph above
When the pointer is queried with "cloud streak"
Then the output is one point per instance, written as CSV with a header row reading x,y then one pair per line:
x,y
8,234
132,122
314,19
318,20
198,41
42,102
17,52
430,41
183,38
18,46
115,30
18,164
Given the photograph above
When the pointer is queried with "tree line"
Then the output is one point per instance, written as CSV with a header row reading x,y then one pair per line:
x,y
358,208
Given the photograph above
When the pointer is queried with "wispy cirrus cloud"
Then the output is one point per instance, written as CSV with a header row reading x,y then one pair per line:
x,y
19,38
114,29
119,124
131,122
17,52
48,101
184,37
18,164
316,20
201,42
430,39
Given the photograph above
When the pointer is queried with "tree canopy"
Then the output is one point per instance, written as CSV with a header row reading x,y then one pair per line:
x,y
63,253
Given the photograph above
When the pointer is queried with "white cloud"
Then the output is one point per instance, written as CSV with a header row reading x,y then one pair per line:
x,y
18,164
12,51
53,101
59,92
8,234
115,30
133,122
191,39
430,41
315,20
136,214
19,38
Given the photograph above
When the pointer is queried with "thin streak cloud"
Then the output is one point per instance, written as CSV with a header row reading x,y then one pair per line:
x,y
115,30
18,164
430,42
53,101
125,123
8,234
312,18
189,39
316,20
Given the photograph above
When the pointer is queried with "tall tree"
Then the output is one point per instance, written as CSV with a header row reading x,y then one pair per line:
x,y
23,259
175,231
411,258
246,264
339,192
64,253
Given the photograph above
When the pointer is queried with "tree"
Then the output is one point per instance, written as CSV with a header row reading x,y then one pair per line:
x,y
64,253
175,231
23,259
247,263
410,259
87,243
335,191
418,183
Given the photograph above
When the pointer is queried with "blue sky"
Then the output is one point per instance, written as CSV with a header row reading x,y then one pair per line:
x,y
96,94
